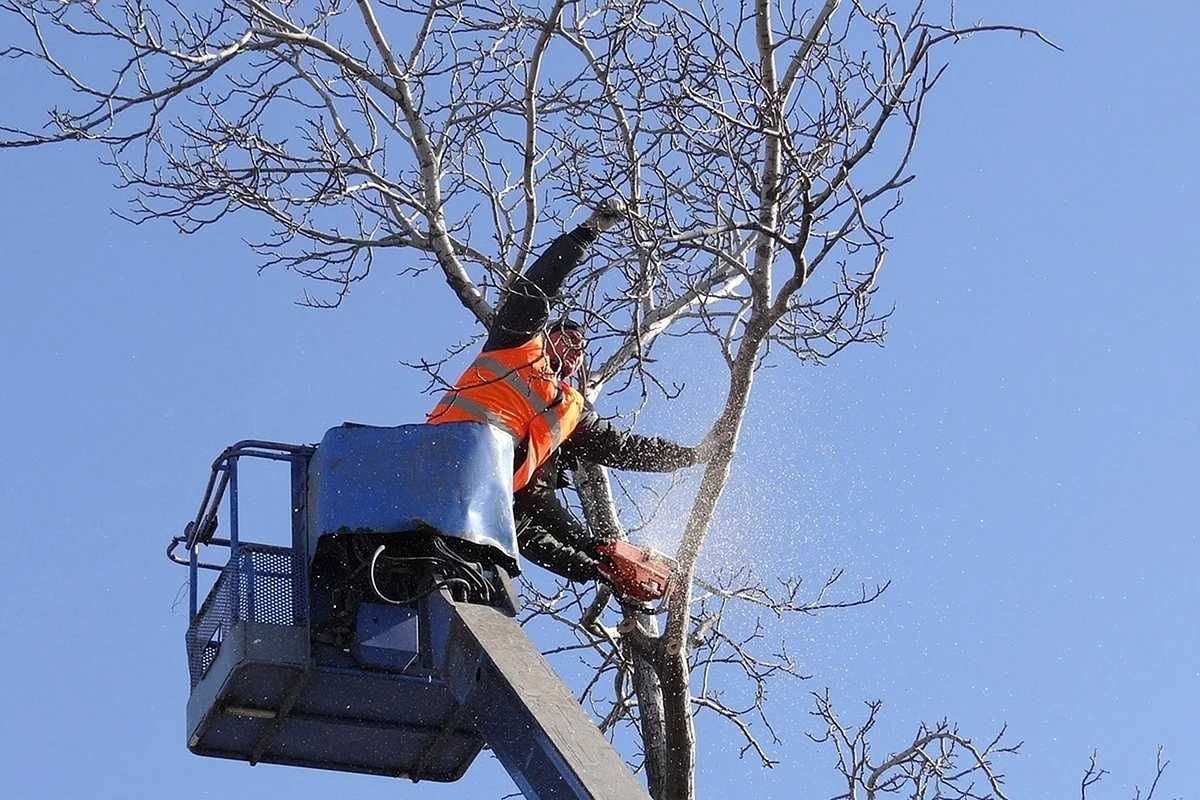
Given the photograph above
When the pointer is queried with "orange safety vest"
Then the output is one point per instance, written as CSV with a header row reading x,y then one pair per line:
x,y
515,390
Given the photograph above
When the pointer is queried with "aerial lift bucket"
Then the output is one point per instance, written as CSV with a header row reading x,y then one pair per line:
x,y
293,659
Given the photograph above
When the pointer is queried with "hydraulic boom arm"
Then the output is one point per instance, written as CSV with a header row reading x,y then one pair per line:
x,y
526,715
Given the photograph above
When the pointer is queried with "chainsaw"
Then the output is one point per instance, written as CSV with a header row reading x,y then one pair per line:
x,y
638,573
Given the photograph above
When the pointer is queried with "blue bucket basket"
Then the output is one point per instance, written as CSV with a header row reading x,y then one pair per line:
x,y
261,689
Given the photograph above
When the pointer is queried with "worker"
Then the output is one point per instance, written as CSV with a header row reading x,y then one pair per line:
x,y
520,383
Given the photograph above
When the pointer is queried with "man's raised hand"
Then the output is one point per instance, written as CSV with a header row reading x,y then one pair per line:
x,y
607,214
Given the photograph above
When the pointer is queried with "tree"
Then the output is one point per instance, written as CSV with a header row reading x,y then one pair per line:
x,y
762,148
1094,773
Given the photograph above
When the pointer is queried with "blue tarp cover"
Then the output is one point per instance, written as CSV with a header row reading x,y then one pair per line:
x,y
455,478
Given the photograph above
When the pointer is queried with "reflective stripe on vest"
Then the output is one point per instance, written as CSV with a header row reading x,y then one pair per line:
x,y
511,377
482,413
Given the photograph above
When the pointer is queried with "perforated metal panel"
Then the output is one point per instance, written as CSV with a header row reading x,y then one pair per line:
x,y
261,583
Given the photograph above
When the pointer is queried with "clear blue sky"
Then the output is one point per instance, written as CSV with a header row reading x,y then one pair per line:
x,y
1020,459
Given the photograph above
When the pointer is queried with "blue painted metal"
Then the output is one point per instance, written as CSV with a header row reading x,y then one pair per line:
x,y
422,686
233,503
455,479
193,564
262,692
529,719
299,470
387,636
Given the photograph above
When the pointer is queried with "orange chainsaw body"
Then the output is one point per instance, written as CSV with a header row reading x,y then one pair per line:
x,y
638,573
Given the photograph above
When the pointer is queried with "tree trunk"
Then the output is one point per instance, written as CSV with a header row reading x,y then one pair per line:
x,y
651,714
599,508
674,673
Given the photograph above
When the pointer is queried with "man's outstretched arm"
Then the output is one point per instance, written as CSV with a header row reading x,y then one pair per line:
x,y
599,442
525,310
